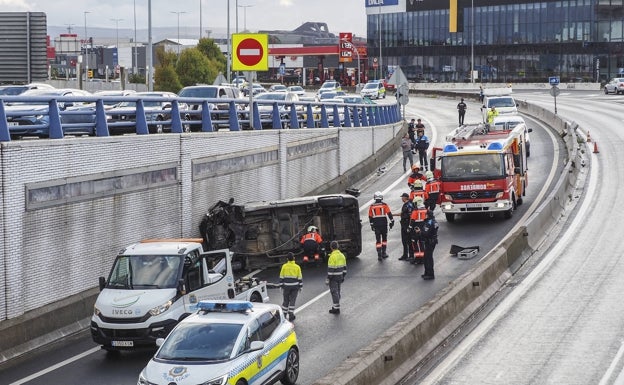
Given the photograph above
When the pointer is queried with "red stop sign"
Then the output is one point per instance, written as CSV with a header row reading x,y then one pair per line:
x,y
249,52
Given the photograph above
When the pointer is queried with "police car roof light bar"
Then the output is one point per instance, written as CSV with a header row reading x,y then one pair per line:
x,y
225,307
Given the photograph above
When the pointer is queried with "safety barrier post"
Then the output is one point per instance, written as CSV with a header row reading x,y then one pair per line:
x,y
364,117
383,115
396,113
256,117
101,125
371,116
336,122
324,121
294,120
277,119
378,115
55,128
141,120
234,125
310,116
347,119
176,123
5,135
206,119
356,117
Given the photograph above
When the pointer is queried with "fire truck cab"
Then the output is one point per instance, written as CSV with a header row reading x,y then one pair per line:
x,y
481,170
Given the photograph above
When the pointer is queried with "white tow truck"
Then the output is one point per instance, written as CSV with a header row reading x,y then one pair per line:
x,y
154,284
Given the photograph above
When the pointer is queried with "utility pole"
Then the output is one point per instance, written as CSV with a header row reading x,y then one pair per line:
x,y
86,47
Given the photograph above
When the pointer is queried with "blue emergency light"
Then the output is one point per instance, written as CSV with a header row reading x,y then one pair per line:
x,y
225,306
450,148
497,146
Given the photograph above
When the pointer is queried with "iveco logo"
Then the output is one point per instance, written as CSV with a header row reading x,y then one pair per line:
x,y
474,194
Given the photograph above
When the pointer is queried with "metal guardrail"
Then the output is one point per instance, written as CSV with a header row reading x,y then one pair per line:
x,y
182,115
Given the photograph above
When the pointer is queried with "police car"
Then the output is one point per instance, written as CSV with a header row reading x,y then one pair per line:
x,y
227,342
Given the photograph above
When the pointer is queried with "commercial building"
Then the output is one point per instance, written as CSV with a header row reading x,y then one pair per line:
x,y
510,40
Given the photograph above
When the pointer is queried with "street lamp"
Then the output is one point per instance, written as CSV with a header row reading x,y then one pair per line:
x,y
117,45
86,47
244,14
200,19
380,61
229,44
136,57
472,42
117,30
178,13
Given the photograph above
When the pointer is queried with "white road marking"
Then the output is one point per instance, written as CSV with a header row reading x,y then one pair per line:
x,y
620,378
56,366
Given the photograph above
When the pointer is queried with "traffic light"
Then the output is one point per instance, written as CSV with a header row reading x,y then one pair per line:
x,y
90,74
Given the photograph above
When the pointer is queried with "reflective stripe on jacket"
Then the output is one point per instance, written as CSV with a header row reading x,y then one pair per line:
x,y
290,275
311,236
336,264
432,187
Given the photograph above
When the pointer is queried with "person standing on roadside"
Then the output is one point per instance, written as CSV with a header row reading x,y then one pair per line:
x,y
406,234
380,217
429,234
336,272
461,110
411,130
422,144
291,282
491,114
406,147
433,190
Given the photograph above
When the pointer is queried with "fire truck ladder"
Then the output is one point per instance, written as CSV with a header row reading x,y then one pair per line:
x,y
465,132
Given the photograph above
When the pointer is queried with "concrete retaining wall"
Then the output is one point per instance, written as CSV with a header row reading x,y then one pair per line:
x,y
395,353
69,205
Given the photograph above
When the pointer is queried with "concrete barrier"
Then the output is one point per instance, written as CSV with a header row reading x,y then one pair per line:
x,y
394,354
57,319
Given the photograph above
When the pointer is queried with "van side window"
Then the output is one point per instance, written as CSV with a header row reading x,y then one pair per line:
x,y
194,276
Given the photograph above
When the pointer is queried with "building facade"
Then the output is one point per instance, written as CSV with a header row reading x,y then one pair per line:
x,y
507,40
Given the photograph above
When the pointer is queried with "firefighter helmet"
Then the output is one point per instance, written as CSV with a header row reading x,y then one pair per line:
x,y
418,184
415,167
429,175
312,228
418,201
378,196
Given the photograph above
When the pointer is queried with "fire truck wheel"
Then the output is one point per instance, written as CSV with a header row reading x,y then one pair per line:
x,y
450,217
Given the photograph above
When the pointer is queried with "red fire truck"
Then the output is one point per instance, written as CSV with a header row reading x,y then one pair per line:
x,y
482,169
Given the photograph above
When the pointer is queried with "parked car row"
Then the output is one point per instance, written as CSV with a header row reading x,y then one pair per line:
x,y
31,118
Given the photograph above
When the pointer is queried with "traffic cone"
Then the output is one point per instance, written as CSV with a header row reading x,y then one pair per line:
x,y
595,148
588,137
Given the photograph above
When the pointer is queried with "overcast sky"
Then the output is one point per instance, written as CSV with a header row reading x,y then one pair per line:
x,y
340,15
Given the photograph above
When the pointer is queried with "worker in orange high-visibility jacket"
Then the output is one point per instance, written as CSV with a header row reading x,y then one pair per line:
x,y
417,220
433,191
380,216
415,175
311,243
418,190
